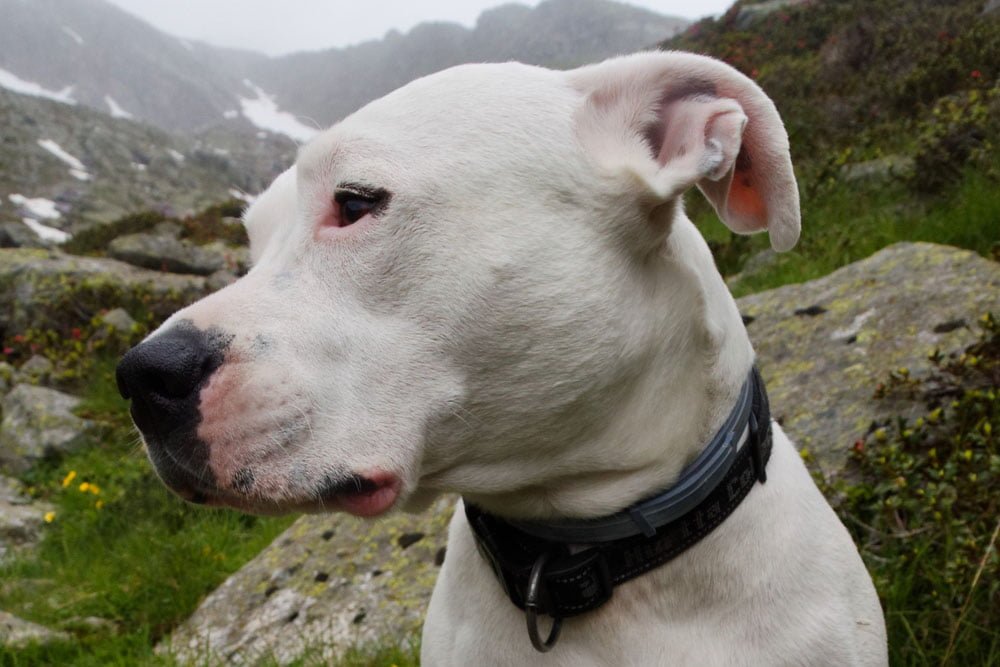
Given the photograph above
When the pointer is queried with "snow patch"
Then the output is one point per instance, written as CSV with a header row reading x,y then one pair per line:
x,y
58,151
39,207
76,168
231,114
176,155
74,35
47,233
138,166
116,110
11,81
263,112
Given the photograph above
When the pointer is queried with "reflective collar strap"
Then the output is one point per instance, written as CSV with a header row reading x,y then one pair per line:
x,y
571,582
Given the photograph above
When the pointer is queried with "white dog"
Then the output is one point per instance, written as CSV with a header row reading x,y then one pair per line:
x,y
484,283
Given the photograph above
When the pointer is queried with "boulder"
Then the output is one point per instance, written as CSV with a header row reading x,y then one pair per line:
x,y
18,235
220,279
327,583
823,346
37,422
892,166
17,633
21,520
331,581
50,289
36,370
166,253
119,320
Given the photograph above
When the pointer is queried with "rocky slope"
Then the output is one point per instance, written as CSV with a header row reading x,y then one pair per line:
x,y
68,167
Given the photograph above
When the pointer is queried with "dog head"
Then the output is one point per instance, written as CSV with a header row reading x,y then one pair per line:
x,y
459,286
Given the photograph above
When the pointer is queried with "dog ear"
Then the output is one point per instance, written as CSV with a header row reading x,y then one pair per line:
x,y
679,120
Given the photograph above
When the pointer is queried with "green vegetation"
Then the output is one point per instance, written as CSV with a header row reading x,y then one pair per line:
x,y
119,547
893,112
920,499
209,225
912,84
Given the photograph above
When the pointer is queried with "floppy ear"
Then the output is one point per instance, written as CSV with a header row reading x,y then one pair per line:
x,y
677,120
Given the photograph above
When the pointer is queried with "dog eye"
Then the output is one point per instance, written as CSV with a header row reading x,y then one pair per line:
x,y
353,204
353,208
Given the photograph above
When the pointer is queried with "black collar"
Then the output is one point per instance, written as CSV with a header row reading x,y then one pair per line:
x,y
542,574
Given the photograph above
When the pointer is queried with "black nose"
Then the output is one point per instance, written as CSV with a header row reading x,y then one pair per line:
x,y
162,375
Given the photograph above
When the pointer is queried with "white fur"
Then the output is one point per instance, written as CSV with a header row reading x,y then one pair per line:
x,y
532,322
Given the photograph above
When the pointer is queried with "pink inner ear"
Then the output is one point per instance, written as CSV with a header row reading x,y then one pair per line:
x,y
747,209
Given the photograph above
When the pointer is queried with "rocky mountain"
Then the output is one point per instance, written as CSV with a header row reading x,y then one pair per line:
x,y
105,115
64,168
92,53
95,54
555,33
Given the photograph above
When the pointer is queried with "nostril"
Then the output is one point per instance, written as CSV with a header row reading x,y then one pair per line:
x,y
171,365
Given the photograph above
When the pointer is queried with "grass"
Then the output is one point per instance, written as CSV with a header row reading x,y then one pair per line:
x,y
846,223
119,548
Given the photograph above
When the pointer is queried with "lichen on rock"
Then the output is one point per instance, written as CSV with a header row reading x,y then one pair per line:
x,y
326,584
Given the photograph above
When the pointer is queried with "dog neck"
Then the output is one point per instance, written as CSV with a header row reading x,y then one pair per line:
x,y
684,393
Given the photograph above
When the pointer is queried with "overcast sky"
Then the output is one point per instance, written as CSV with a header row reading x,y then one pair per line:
x,y
283,26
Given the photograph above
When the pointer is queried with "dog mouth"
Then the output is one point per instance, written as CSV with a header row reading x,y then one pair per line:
x,y
367,495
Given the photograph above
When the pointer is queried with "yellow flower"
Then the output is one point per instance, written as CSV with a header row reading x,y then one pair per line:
x,y
96,490
84,487
68,479
49,517
99,504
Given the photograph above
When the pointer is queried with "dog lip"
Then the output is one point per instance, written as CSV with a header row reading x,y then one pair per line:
x,y
366,495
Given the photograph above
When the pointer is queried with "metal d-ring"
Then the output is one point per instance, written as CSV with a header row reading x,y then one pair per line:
x,y
531,609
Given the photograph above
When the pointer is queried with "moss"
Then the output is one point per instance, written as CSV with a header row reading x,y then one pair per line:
x,y
95,239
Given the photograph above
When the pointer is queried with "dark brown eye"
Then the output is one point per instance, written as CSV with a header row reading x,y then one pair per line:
x,y
353,208
353,202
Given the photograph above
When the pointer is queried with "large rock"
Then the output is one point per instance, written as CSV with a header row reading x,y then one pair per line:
x,y
332,581
327,583
41,288
17,633
37,422
824,345
166,253
21,519
18,235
